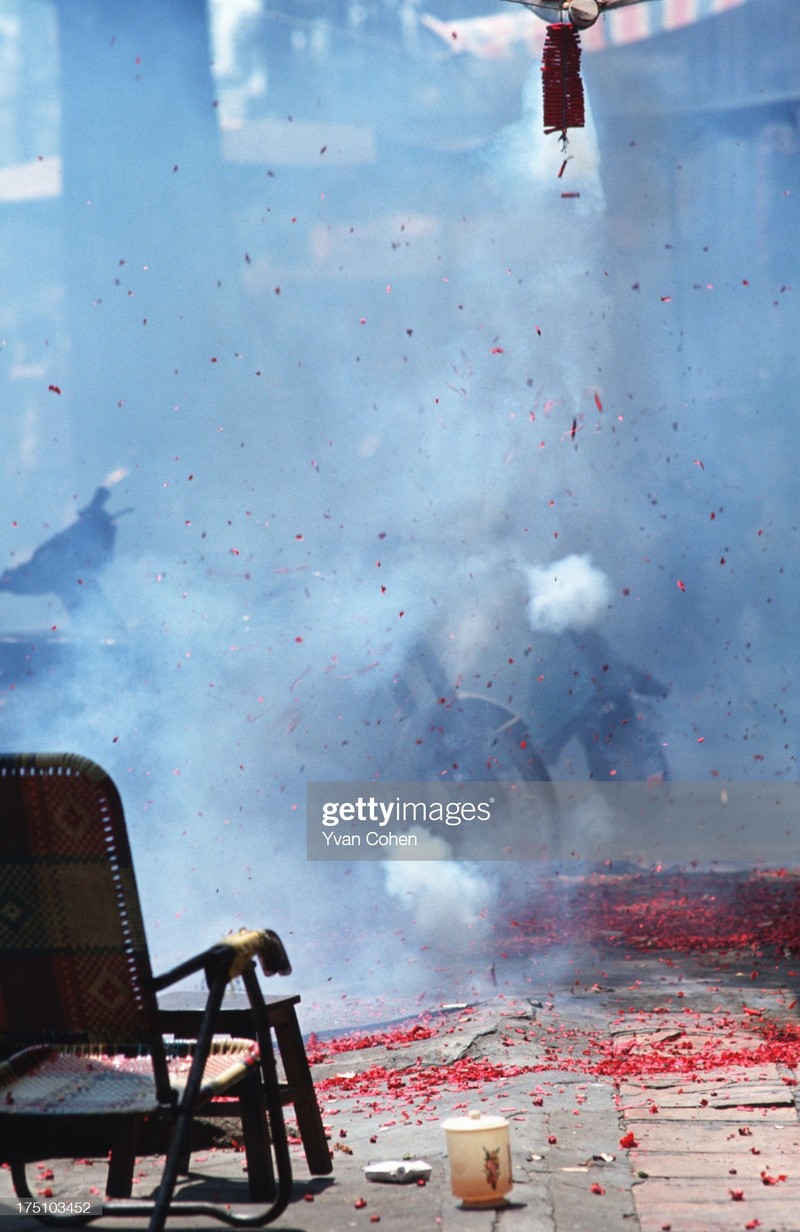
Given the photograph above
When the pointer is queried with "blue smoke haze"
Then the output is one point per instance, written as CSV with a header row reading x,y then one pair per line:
x,y
347,365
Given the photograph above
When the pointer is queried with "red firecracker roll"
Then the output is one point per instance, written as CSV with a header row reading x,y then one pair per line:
x,y
561,80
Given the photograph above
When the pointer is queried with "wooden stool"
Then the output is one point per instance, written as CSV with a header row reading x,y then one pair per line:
x,y
180,1015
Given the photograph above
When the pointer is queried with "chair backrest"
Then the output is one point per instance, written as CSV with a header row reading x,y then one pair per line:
x,y
73,956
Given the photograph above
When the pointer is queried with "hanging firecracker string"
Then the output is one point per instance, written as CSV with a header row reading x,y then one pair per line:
x,y
561,80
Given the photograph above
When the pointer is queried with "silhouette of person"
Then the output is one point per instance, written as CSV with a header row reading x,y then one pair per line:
x,y
615,726
68,564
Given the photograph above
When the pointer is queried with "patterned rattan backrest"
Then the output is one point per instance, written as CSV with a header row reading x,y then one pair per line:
x,y
73,955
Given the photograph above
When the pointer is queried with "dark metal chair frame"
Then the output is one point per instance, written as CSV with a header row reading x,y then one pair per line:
x,y
63,843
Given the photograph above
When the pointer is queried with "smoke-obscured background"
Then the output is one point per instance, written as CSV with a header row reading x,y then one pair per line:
x,y
381,415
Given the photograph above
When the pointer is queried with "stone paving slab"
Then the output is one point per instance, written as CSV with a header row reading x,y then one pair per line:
x,y
741,1115
678,1137
708,1166
681,1216
659,1192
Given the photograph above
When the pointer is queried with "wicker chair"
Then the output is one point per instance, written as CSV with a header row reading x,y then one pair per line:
x,y
79,1020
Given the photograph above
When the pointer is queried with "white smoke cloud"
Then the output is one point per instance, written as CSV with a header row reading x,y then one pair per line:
x,y
567,594
447,899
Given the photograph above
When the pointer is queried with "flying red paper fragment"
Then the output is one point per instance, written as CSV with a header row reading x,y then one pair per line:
x,y
54,389
597,401
681,585
497,350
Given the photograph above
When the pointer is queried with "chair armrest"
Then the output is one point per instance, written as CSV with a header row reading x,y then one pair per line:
x,y
232,955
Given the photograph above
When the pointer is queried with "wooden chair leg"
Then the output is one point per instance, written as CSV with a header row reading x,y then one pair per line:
x,y
255,1130
301,1092
119,1182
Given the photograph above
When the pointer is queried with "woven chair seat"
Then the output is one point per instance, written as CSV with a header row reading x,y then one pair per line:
x,y
80,1021
79,1081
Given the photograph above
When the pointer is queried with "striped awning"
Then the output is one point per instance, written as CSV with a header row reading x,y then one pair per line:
x,y
629,21
622,21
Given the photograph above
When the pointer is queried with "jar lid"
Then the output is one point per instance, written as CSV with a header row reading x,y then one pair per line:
x,y
474,1120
